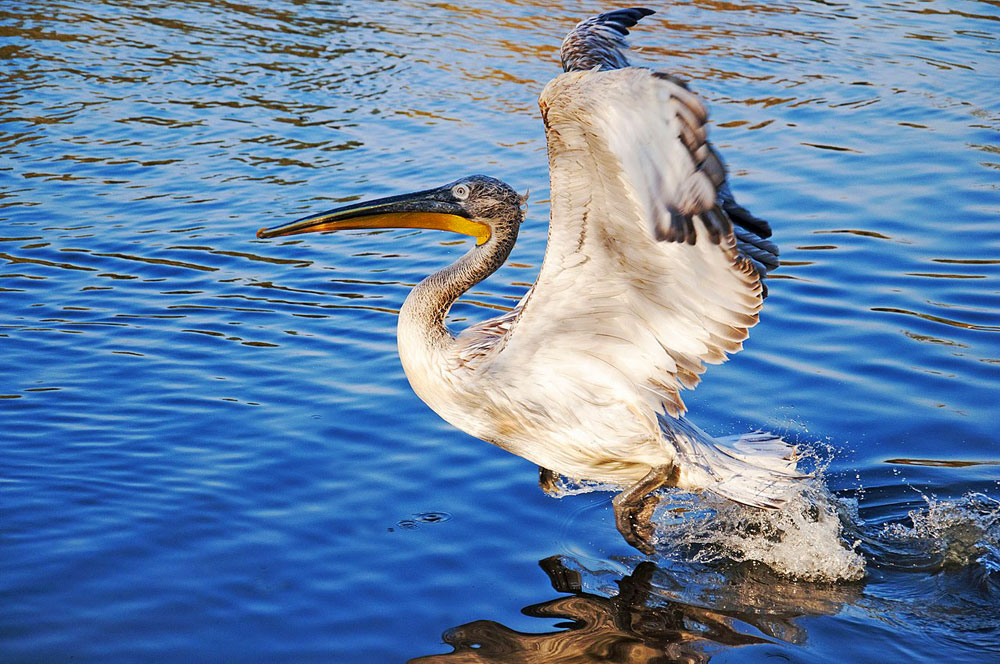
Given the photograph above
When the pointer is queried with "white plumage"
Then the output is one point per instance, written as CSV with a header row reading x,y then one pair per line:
x,y
618,321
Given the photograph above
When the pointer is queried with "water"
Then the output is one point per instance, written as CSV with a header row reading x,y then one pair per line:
x,y
209,451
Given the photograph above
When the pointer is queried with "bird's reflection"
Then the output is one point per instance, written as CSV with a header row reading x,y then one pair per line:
x,y
658,615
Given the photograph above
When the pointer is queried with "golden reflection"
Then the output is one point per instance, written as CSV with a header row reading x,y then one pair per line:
x,y
39,261
655,617
835,148
939,275
938,319
967,261
146,259
297,262
855,231
487,305
926,338
941,463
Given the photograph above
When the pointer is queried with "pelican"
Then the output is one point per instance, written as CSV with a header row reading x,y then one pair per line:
x,y
651,271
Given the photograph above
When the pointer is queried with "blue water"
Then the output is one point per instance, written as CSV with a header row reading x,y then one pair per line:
x,y
208,449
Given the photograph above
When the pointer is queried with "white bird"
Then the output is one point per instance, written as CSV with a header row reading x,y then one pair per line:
x,y
652,270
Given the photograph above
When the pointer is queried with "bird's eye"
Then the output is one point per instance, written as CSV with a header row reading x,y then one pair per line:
x,y
460,191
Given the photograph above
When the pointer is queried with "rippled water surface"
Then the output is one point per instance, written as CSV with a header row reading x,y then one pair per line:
x,y
208,449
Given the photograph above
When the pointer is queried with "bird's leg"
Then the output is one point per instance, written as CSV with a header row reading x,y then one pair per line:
x,y
634,506
548,481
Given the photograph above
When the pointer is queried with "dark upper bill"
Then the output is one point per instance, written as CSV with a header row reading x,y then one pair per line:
x,y
434,209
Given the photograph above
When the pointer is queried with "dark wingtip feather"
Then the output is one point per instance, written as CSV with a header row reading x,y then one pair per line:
x,y
746,219
740,215
599,41
623,19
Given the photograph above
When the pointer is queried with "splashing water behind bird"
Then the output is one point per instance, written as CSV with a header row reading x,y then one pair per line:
x,y
805,540
820,535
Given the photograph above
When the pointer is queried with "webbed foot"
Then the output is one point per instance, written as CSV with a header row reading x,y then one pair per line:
x,y
548,481
634,507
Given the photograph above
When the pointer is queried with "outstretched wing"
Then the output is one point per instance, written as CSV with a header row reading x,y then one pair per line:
x,y
645,279
599,41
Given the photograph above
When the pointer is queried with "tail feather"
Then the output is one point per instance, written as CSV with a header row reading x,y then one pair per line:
x,y
757,469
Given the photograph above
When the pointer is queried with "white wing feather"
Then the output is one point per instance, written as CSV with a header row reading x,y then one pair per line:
x,y
616,313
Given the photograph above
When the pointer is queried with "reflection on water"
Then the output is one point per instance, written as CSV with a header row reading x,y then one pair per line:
x,y
943,463
684,608
208,451
654,615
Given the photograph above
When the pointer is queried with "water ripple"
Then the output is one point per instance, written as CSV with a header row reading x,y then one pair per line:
x,y
209,447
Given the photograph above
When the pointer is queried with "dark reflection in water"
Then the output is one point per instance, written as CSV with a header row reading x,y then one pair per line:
x,y
648,620
946,552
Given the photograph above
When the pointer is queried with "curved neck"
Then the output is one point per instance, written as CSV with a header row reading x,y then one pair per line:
x,y
425,344
427,305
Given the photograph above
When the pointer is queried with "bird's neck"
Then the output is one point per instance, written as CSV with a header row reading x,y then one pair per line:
x,y
424,339
427,305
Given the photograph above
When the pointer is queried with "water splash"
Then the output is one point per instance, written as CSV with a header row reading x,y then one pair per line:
x,y
565,486
821,537
947,534
805,540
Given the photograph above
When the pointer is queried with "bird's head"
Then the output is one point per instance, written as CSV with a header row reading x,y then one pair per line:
x,y
479,206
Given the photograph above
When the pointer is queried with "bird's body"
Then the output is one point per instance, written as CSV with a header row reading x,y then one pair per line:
x,y
651,271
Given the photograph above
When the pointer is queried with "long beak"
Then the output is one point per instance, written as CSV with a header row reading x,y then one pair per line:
x,y
429,209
